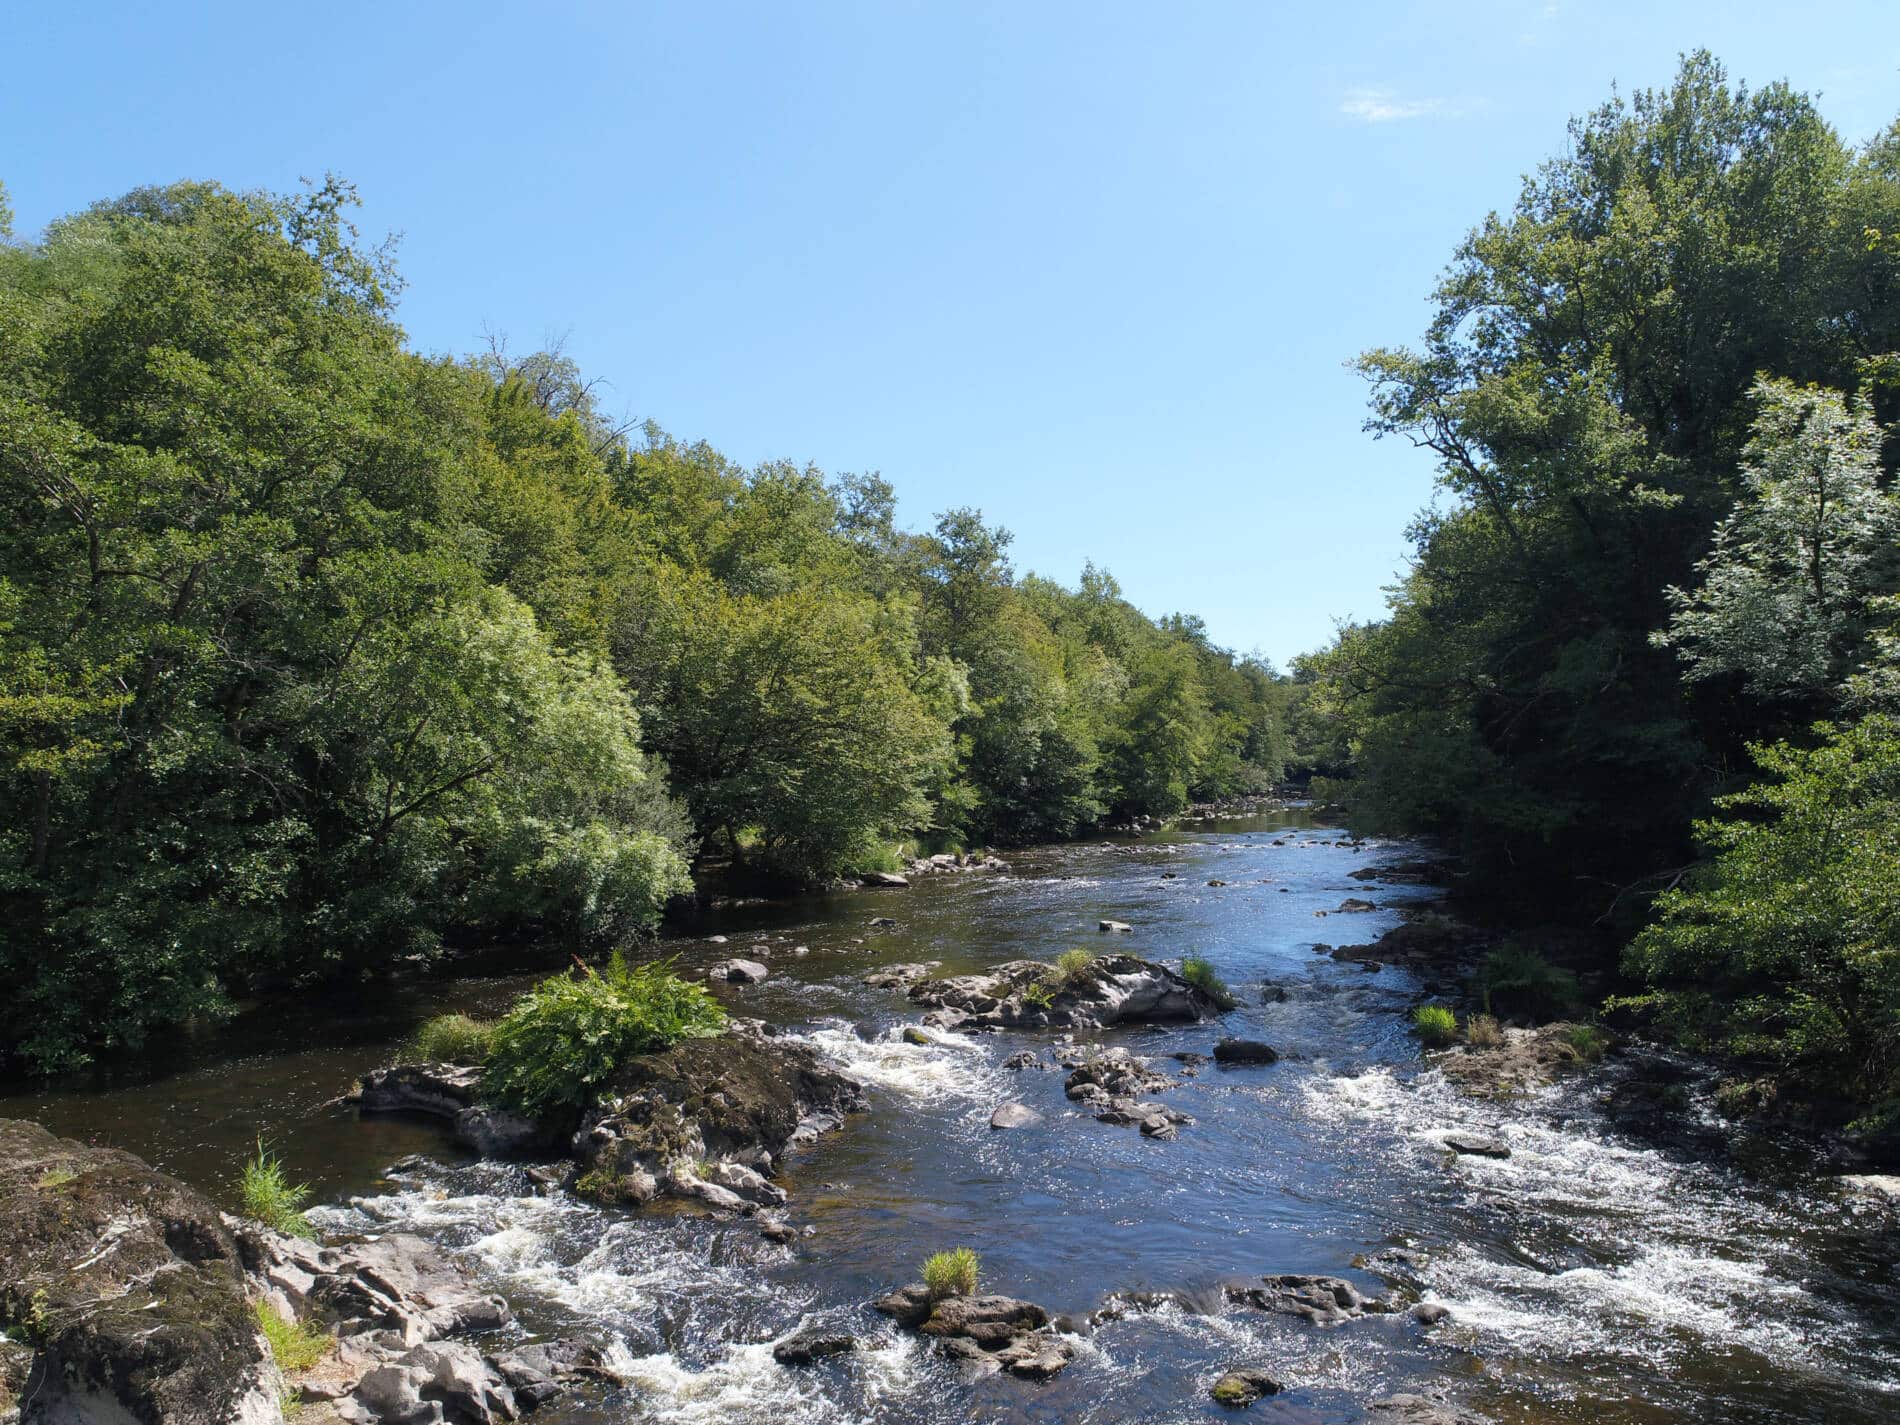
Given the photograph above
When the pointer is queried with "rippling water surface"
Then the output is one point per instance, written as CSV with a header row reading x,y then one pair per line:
x,y
1590,1277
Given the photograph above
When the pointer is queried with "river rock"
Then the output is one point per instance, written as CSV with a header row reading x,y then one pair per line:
x,y
883,922
1245,1051
901,977
744,1096
1413,1409
1109,990
809,1345
738,972
1354,906
1475,1145
1115,927
888,880
130,1288
1014,1115
1023,1059
1430,1313
1322,1301
1240,1388
995,1332
1428,940
1525,1059
440,1090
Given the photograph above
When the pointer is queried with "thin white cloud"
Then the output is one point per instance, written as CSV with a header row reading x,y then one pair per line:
x,y
1383,106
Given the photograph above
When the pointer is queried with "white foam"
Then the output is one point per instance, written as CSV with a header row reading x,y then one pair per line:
x,y
952,1066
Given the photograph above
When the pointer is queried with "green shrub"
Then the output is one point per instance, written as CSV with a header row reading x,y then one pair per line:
x,y
1202,975
1482,1032
267,1195
1071,968
1435,1024
1590,1042
1514,980
952,1273
294,1345
557,1049
1039,995
452,1039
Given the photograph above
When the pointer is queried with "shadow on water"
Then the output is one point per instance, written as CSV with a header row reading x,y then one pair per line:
x,y
1590,1277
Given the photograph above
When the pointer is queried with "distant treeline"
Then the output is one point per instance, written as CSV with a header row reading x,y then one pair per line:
x,y
1644,671
315,651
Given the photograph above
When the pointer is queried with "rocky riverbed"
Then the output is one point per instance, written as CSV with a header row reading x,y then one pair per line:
x,y
1285,1202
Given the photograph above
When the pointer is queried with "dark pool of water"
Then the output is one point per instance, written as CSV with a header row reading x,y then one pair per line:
x,y
1591,1277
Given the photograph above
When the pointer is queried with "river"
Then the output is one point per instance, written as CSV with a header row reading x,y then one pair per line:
x,y
1591,1276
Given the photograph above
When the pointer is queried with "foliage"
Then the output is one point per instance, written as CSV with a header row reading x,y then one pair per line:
x,y
452,1039
1436,1025
557,1049
952,1273
1589,386
294,1345
1517,980
1590,1042
1482,1031
266,1194
1071,968
1785,946
1205,978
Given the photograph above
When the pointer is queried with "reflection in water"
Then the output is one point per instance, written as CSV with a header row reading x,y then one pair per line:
x,y
1590,1277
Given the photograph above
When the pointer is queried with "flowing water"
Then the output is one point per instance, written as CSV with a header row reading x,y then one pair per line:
x,y
1590,1277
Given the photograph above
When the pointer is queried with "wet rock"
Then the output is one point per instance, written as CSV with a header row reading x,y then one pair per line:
x,y
1354,906
1115,927
1109,990
888,880
133,1287
1245,1051
1430,1313
777,1229
497,1133
1428,940
1476,1146
735,1102
1014,1115
913,1035
909,1305
1524,1060
1161,1126
994,1332
807,1346
901,977
1118,1305
1273,994
1217,883
882,922
1113,1074
545,1370
738,972
1240,1388
1023,1059
1320,1300
439,1090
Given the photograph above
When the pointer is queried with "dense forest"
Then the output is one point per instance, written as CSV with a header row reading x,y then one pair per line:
x,y
318,653
1643,672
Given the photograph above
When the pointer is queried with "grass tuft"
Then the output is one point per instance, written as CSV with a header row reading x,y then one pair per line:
x,y
1590,1042
1436,1025
1205,978
266,1194
1071,967
294,1345
452,1039
1482,1031
952,1273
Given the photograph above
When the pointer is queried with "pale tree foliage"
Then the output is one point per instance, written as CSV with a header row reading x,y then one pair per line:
x,y
1789,593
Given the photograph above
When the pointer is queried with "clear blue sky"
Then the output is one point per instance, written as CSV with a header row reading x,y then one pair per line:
x,y
1094,267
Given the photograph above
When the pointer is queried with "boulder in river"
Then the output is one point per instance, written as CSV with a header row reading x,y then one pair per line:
x,y
452,1091
811,1344
1014,1115
887,880
1245,1051
1238,1389
738,972
994,1332
1524,1059
1320,1300
900,977
1354,906
1108,990
1115,927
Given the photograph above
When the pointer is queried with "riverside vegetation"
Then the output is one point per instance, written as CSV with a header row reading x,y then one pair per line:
x,y
318,653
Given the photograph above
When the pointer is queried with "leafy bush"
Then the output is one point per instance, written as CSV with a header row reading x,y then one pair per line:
x,y
1435,1024
452,1039
1514,980
1039,995
952,1273
294,1345
561,1043
266,1194
1482,1032
1590,1042
1203,976
1786,948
